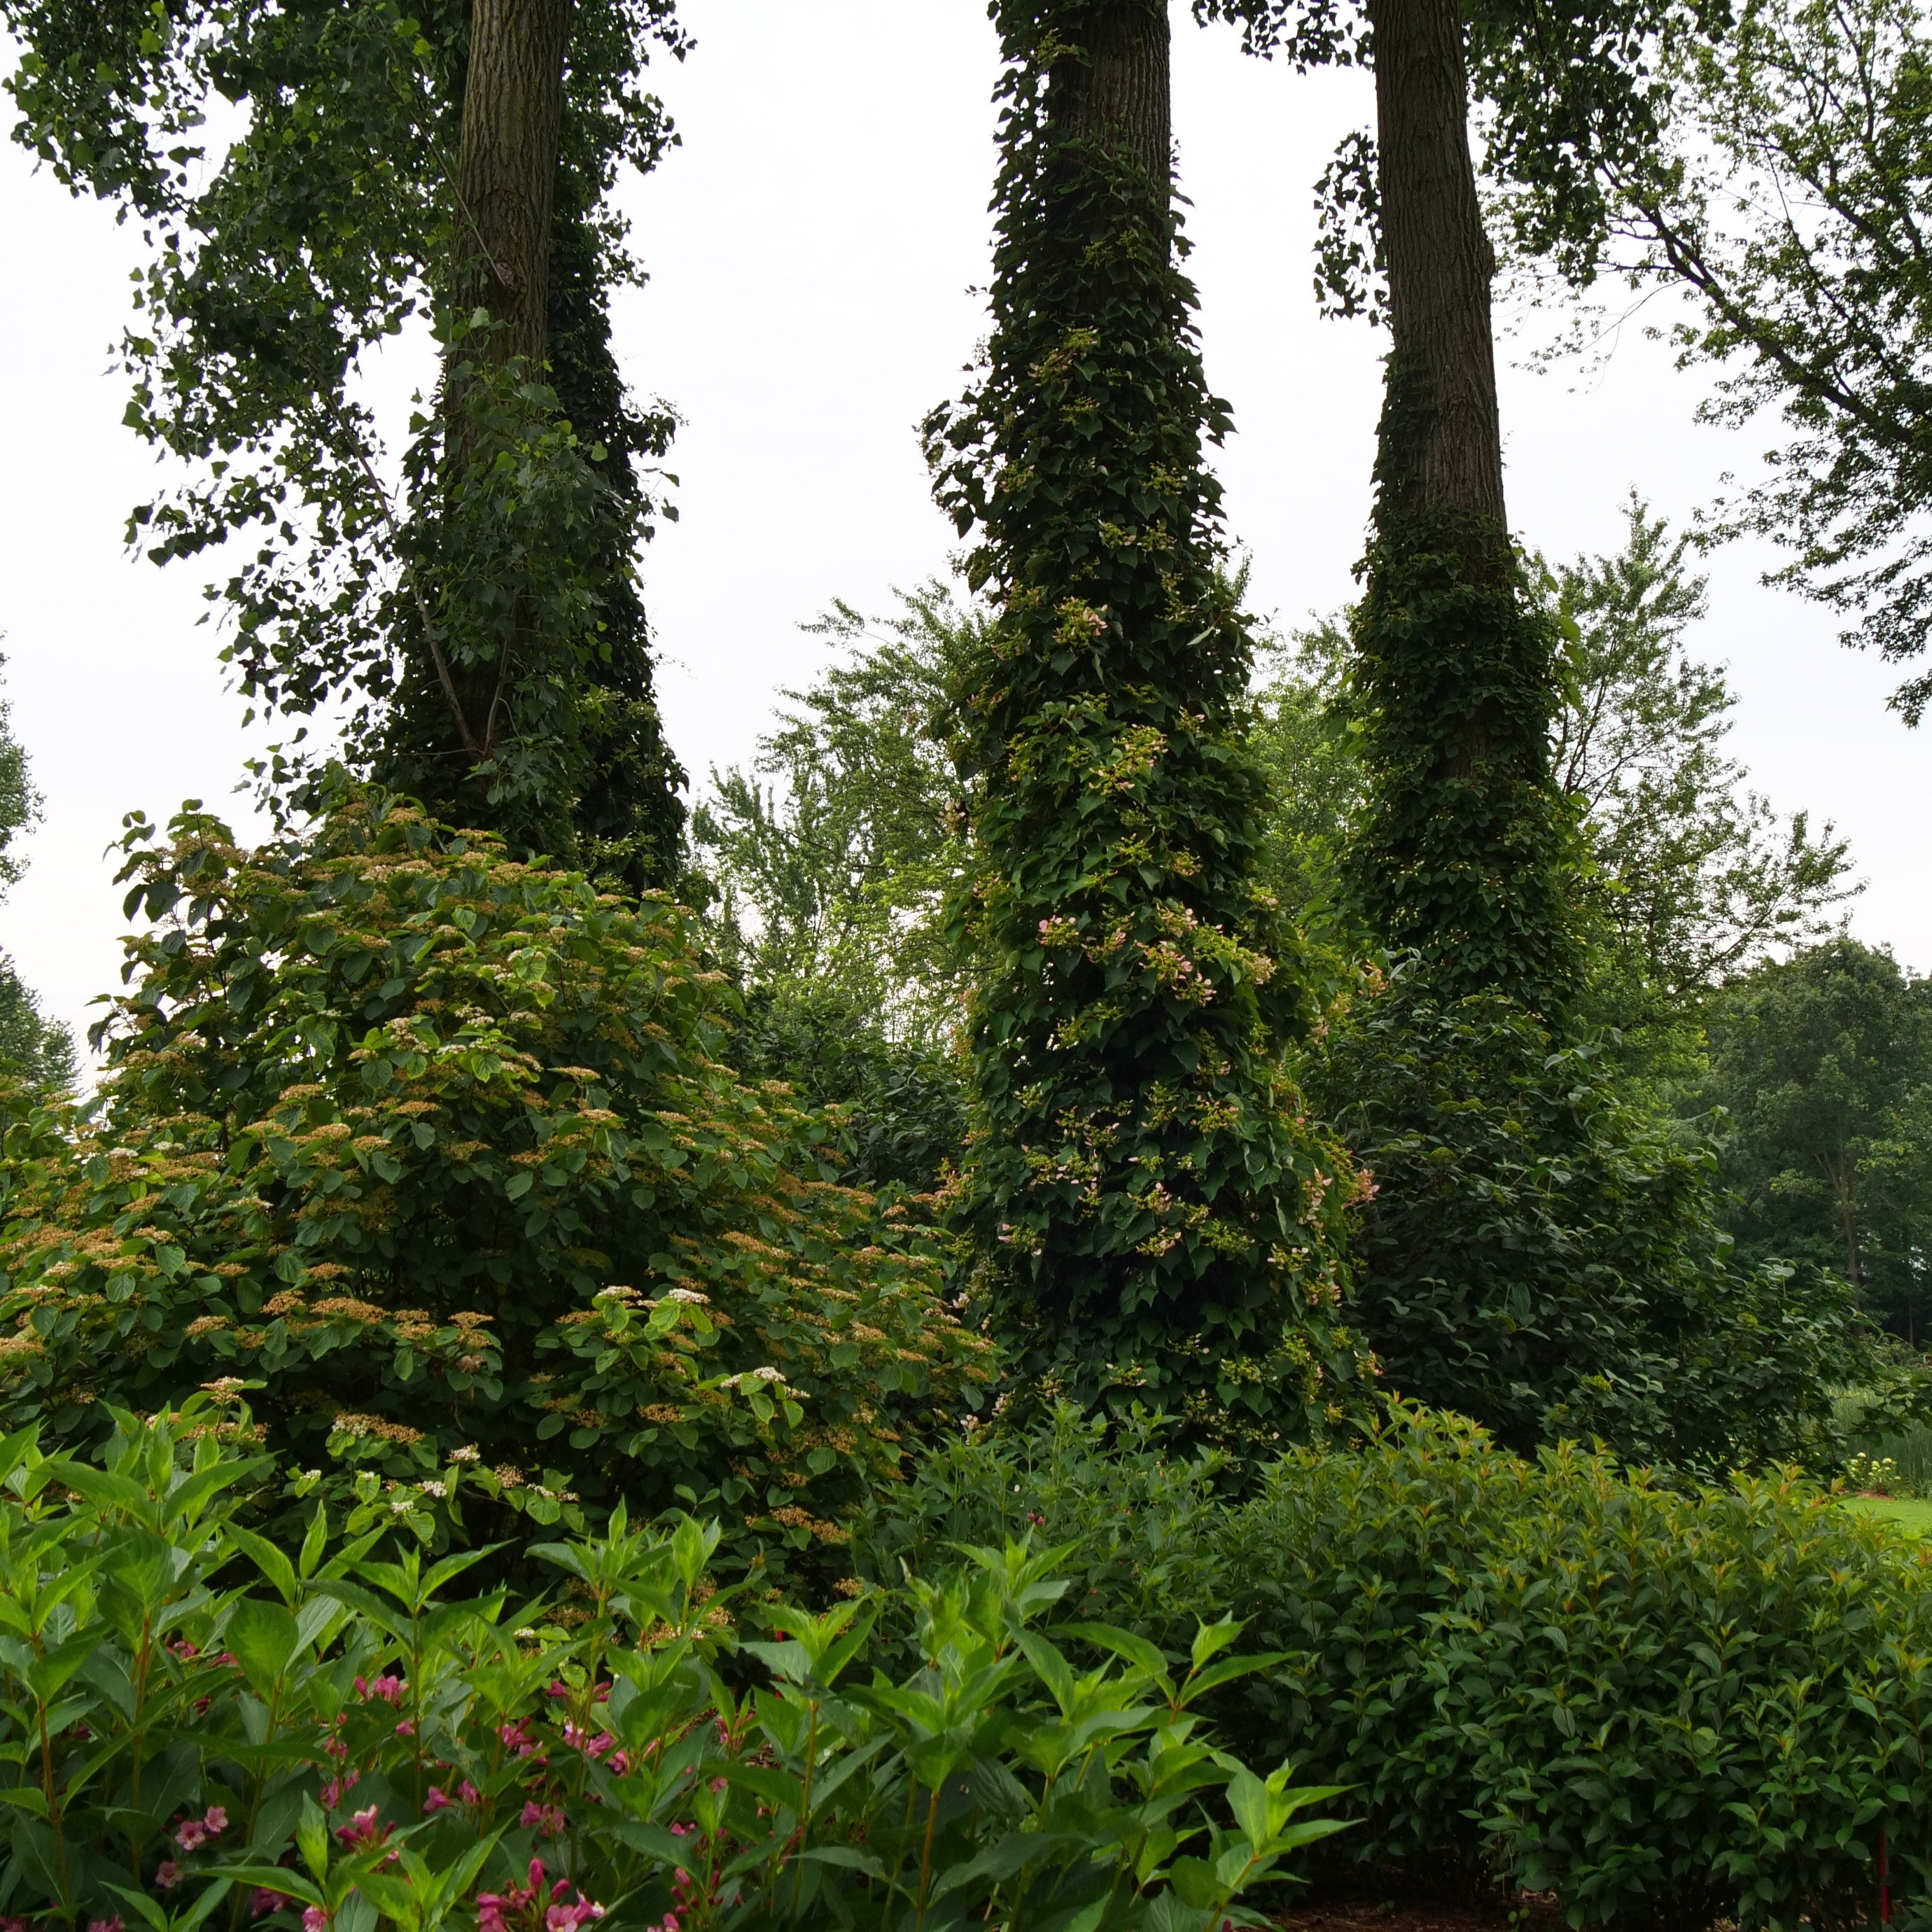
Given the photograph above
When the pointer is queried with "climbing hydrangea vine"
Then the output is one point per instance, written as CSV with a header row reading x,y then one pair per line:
x,y
1152,1212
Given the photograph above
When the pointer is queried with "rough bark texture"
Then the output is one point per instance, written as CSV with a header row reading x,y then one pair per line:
x,y
1442,449
506,171
1120,93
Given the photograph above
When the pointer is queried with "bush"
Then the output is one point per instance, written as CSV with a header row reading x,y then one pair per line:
x,y
1666,1707
188,1709
1541,1256
434,1150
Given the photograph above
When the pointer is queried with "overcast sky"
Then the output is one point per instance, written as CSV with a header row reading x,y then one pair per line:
x,y
814,246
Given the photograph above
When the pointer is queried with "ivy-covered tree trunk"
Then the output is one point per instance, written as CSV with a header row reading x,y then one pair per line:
x,y
530,257
1156,1217
1463,856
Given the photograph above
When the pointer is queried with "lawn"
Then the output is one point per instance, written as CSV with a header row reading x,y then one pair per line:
x,y
1915,1517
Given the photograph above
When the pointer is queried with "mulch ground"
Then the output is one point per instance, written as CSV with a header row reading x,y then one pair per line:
x,y
1367,1912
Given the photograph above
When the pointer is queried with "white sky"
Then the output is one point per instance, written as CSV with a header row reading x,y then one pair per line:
x,y
813,247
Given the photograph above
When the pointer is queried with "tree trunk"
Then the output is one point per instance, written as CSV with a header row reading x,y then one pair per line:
x,y
1120,94
504,191
506,171
1440,446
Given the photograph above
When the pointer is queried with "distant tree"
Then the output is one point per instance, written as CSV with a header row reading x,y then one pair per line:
x,y
832,859
1691,877
1824,1064
32,1048
832,856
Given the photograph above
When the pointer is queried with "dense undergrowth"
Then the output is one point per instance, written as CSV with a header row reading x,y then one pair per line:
x,y
1666,1706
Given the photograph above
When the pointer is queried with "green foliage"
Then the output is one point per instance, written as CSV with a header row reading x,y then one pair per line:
x,y
1465,852
831,881
1788,205
1152,1209
337,1736
1823,1064
1667,1707
832,876
1542,1256
324,227
32,1047
434,1147
1691,877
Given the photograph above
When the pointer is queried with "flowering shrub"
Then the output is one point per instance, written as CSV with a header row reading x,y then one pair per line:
x,y
434,1150
201,1727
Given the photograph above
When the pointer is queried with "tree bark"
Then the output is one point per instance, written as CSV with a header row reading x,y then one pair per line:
x,y
1441,445
1119,93
506,169
504,193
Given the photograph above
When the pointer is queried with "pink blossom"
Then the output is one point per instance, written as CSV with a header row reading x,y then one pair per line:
x,y
167,1875
262,1901
191,1834
314,1919
406,1729
388,1689
105,1924
438,1799
547,1818
620,1761
468,1793
214,1821
183,1649
362,1828
334,1792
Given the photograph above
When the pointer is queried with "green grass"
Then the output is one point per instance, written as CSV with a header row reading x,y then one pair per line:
x,y
1916,1519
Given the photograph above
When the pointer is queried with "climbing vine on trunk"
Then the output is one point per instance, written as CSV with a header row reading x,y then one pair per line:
x,y
1154,1212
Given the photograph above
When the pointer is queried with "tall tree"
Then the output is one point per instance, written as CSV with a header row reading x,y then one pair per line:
x,y
371,186
1154,1214
1463,852
1465,855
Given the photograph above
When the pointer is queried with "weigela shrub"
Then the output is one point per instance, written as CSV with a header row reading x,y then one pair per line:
x,y
203,1728
435,1150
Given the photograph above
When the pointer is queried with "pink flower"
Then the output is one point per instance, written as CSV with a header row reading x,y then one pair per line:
x,y
468,1793
262,1901
438,1799
492,1906
334,1792
406,1729
105,1924
183,1649
167,1875
214,1821
547,1818
362,1828
516,1738
389,1689
191,1834
620,1761
314,1919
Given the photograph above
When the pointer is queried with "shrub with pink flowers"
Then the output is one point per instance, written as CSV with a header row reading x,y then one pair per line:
x,y
204,1728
